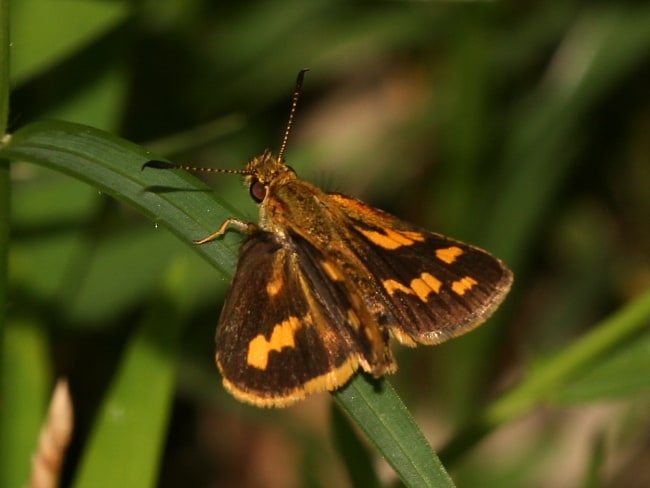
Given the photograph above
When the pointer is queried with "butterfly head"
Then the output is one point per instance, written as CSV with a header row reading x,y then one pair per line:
x,y
263,171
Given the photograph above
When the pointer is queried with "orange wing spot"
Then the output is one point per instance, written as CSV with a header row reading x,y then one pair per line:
x,y
463,285
402,337
282,336
433,282
353,318
276,281
331,271
392,239
409,234
274,287
391,286
421,287
449,254
424,285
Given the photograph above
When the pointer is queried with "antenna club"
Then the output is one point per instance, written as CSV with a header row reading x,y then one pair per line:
x,y
300,78
292,112
154,163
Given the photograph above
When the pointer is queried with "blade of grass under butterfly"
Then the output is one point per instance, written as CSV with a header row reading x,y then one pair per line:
x,y
391,428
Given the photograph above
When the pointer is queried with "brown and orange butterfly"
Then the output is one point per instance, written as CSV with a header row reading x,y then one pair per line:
x,y
324,281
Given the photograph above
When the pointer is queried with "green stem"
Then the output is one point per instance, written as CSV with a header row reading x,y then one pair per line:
x,y
4,64
5,181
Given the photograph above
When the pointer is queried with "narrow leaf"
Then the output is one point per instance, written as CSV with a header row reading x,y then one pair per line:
x,y
114,166
380,413
132,422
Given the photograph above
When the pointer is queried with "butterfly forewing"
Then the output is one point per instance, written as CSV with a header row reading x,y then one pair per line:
x,y
428,288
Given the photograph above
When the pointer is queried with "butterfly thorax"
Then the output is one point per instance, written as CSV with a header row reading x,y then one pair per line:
x,y
287,203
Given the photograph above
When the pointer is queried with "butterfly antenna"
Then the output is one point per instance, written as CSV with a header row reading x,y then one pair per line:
x,y
292,112
165,165
157,164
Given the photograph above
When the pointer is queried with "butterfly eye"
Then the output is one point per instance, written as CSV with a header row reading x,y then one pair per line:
x,y
258,191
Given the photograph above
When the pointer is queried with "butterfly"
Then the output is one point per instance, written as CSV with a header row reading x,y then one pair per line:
x,y
325,281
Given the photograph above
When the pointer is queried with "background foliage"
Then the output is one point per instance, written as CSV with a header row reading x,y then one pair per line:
x,y
520,128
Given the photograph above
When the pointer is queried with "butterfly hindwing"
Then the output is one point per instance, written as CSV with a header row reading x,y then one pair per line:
x,y
287,329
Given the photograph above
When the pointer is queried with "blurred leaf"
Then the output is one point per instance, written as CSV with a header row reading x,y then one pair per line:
x,y
51,201
97,101
4,65
5,218
51,253
122,270
626,372
26,384
173,199
126,443
543,381
578,358
604,46
594,471
45,31
197,136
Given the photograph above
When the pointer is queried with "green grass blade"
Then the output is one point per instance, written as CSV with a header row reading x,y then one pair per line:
x,y
548,128
614,377
555,373
176,200
5,219
589,350
26,385
391,428
40,43
4,64
127,440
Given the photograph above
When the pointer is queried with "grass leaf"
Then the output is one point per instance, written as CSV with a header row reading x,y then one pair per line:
x,y
379,412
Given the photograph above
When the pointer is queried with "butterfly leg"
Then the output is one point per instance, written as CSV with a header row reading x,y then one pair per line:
x,y
243,227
